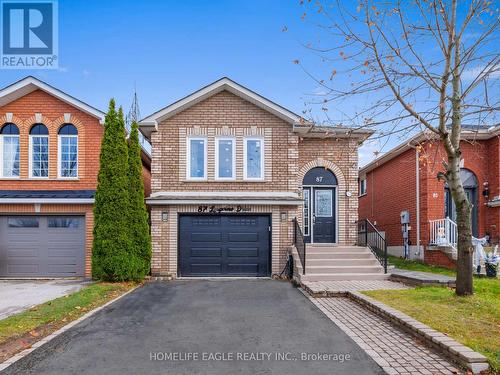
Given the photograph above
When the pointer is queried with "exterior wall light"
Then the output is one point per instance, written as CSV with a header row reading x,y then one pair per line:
x,y
164,216
284,216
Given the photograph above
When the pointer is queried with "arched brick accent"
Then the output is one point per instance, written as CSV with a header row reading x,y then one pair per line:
x,y
326,164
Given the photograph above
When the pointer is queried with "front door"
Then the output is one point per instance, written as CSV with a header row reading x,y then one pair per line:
x,y
323,217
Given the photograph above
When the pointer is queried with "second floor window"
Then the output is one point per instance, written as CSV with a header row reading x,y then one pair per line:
x,y
224,160
362,186
39,151
9,151
254,159
68,151
197,159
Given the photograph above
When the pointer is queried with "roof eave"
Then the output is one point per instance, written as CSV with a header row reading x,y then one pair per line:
x,y
216,87
29,84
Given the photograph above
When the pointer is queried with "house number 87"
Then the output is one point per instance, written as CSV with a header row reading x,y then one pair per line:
x,y
319,179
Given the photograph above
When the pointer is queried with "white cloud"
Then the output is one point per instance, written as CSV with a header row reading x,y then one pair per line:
x,y
86,72
471,73
368,152
62,69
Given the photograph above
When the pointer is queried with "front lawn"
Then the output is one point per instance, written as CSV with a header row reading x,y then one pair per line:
x,y
20,331
415,265
474,320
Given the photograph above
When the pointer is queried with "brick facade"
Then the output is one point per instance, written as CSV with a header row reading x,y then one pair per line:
x,y
391,188
40,106
288,157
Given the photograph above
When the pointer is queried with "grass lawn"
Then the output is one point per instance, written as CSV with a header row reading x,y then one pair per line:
x,y
474,320
415,265
19,331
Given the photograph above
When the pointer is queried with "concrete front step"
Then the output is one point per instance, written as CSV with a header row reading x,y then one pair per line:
x,y
343,276
337,255
351,249
343,269
343,262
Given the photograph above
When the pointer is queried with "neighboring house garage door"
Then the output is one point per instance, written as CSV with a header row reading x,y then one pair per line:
x,y
224,245
42,246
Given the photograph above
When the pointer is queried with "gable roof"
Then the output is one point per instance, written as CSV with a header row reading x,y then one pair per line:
x,y
30,84
149,124
468,132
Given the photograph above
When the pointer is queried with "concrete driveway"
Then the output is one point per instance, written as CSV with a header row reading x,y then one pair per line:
x,y
19,295
203,327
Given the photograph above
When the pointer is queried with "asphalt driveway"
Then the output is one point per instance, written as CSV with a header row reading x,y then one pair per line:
x,y
203,327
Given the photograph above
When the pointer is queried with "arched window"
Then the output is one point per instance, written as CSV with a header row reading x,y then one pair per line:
x,y
39,151
9,150
68,151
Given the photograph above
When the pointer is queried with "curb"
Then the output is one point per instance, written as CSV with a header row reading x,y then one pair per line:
x,y
458,353
61,330
414,282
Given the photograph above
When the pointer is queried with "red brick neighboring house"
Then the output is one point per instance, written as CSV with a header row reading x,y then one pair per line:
x,y
49,161
390,183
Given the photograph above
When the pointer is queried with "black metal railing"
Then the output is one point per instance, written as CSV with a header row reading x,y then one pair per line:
x,y
300,245
369,236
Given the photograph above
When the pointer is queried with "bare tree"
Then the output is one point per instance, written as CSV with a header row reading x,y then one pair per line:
x,y
426,64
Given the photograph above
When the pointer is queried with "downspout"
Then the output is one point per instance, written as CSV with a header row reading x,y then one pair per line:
x,y
417,192
417,196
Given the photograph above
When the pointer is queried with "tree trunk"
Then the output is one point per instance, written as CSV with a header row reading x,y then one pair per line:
x,y
464,225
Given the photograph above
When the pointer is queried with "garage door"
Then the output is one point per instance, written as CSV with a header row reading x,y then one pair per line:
x,y
42,246
224,245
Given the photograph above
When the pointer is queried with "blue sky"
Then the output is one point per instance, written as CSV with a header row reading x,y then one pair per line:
x,y
171,48
167,49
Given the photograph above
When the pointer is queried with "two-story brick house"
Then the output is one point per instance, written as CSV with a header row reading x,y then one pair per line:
x,y
49,161
404,179
231,170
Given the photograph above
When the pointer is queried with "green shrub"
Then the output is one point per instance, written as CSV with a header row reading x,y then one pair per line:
x,y
138,220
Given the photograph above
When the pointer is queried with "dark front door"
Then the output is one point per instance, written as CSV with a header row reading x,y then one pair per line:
x,y
451,210
323,217
224,245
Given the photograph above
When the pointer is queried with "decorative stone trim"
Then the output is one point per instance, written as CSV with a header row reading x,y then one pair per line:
x,y
458,353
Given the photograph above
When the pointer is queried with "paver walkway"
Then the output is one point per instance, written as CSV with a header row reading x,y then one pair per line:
x,y
393,349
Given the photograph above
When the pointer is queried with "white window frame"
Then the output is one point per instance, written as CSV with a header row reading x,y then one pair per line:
x,y
31,157
188,158
262,159
1,156
233,159
362,182
59,156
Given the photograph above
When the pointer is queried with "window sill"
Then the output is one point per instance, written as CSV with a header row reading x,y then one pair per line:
x,y
10,178
361,195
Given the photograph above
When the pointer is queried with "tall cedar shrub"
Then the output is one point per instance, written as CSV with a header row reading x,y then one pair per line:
x,y
111,258
138,220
